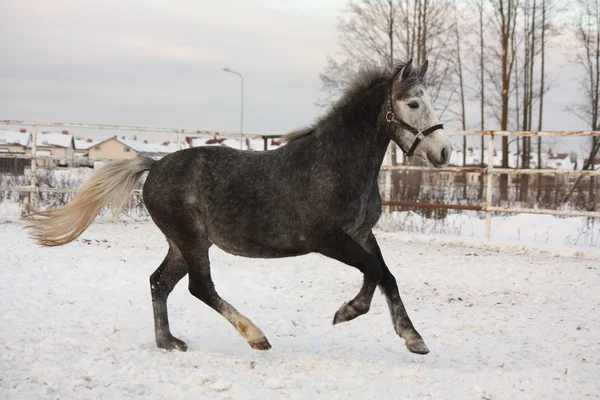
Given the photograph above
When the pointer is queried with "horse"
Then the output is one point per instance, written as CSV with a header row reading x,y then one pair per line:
x,y
318,193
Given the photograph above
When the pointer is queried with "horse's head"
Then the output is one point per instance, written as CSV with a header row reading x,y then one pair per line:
x,y
415,125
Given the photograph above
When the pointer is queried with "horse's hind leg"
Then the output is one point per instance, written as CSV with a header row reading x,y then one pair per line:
x,y
162,282
202,287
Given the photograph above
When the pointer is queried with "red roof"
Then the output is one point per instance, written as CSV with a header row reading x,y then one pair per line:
x,y
560,156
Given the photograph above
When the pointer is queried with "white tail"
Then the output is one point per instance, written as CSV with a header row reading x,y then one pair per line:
x,y
111,185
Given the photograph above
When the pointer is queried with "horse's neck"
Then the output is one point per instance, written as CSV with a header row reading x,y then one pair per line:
x,y
360,155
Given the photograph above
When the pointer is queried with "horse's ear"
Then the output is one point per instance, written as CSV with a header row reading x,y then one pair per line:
x,y
405,71
423,69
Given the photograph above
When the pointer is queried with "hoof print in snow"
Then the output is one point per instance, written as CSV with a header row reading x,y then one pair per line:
x,y
274,383
220,386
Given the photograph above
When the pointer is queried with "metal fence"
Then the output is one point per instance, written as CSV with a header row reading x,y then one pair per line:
x,y
488,171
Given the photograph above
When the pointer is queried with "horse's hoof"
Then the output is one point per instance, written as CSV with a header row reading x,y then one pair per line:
x,y
260,344
172,344
417,346
346,313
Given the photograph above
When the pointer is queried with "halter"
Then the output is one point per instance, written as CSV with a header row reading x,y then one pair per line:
x,y
391,117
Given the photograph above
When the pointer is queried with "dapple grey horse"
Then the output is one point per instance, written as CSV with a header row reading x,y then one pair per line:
x,y
318,193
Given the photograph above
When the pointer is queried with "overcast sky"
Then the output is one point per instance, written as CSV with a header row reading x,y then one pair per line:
x,y
159,63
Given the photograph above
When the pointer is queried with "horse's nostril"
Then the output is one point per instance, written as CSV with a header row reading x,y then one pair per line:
x,y
445,155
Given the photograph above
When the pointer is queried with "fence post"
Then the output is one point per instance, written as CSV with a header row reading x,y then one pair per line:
x,y
33,170
488,193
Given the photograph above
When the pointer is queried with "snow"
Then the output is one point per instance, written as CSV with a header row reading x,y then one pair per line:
x,y
54,139
247,144
166,147
135,145
569,235
14,137
83,144
501,322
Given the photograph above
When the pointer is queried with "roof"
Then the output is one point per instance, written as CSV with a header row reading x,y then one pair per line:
x,y
15,138
144,147
83,144
165,147
135,145
560,156
234,142
55,139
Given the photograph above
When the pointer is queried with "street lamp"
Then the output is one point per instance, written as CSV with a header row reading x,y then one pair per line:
x,y
242,107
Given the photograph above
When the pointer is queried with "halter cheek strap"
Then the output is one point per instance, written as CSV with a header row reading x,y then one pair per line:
x,y
390,117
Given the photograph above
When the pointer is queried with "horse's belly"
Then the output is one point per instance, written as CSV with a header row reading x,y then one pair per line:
x,y
248,246
260,251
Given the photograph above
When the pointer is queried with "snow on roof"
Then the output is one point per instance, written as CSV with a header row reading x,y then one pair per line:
x,y
154,147
135,145
165,147
208,141
84,144
14,137
56,139
233,142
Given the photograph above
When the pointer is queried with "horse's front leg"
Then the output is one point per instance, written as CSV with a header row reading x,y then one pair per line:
x,y
402,323
340,246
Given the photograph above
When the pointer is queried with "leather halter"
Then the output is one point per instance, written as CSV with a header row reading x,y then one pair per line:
x,y
391,117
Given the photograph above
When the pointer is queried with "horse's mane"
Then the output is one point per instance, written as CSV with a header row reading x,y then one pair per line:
x,y
364,82
298,133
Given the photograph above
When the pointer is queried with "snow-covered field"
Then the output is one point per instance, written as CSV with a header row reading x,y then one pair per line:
x,y
501,321
569,234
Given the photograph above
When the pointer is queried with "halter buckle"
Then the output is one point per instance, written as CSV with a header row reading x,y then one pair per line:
x,y
420,135
390,117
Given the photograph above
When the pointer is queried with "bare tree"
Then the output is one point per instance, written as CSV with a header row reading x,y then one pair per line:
x,y
529,38
461,89
542,92
505,18
479,6
377,32
365,33
588,58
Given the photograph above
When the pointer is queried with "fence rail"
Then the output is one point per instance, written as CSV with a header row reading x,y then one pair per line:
x,y
489,170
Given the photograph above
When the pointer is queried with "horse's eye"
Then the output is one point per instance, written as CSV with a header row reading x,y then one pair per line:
x,y
413,104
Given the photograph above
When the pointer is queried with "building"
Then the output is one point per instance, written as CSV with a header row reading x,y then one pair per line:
x,y
116,148
53,144
123,148
14,142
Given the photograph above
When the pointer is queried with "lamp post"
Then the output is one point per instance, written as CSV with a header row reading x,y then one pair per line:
x,y
242,106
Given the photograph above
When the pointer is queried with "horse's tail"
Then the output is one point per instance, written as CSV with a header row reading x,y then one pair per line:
x,y
111,184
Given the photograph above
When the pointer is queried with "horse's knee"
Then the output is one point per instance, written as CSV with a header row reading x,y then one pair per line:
x,y
156,288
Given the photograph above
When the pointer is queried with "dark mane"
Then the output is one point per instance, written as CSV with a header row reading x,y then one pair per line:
x,y
365,94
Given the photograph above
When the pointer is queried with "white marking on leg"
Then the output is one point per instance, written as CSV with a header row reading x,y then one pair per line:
x,y
244,326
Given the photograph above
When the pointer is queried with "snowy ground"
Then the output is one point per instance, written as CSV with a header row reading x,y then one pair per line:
x,y
501,321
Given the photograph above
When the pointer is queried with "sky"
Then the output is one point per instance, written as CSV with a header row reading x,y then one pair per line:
x,y
160,63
